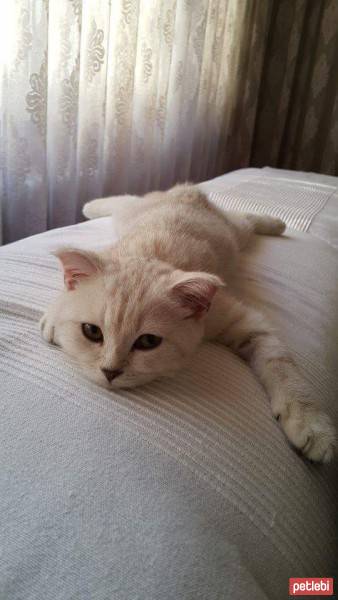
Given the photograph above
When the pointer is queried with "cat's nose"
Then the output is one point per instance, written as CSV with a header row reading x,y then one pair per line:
x,y
110,374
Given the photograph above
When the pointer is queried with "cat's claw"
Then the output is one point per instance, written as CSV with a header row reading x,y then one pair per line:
x,y
309,430
46,329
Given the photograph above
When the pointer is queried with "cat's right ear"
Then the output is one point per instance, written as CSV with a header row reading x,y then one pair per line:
x,y
194,291
77,265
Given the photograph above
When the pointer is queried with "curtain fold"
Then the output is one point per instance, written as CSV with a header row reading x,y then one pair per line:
x,y
125,96
297,113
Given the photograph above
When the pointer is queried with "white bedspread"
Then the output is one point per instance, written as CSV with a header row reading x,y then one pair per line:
x,y
185,489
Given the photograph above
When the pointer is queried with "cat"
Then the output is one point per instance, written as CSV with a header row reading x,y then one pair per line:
x,y
138,310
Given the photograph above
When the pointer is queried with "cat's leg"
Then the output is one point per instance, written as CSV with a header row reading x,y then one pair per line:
x,y
246,332
265,224
47,328
50,321
247,224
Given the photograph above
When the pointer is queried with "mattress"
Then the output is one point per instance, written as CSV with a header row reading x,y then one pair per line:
x,y
186,488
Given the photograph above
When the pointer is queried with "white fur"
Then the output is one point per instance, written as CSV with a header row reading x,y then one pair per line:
x,y
167,277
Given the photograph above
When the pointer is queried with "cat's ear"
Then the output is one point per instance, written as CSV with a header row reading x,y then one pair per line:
x,y
77,265
194,291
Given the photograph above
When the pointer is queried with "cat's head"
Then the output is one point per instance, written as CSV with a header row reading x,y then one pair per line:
x,y
127,321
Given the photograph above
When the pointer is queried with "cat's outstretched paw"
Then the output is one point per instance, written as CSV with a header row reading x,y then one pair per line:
x,y
277,226
47,329
308,429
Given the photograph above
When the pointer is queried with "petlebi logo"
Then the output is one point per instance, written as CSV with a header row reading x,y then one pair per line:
x,y
311,586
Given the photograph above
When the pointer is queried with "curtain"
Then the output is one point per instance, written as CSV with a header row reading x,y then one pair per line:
x,y
297,114
103,97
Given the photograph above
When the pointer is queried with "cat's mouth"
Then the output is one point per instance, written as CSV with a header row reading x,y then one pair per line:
x,y
125,381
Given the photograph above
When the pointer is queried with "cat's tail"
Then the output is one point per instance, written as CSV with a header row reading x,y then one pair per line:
x,y
104,207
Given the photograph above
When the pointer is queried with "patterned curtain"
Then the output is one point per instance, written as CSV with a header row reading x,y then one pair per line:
x,y
104,97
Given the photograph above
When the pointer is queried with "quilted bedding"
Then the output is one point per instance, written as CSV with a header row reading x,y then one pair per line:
x,y
184,489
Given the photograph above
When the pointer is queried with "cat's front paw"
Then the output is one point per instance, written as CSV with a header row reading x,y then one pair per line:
x,y
308,429
47,328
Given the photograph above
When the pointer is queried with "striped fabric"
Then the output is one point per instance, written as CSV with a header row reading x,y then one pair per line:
x,y
185,488
297,203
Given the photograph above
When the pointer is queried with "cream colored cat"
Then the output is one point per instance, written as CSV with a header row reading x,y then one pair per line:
x,y
139,310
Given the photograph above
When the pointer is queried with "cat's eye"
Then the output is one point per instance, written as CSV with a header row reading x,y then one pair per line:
x,y
147,341
92,332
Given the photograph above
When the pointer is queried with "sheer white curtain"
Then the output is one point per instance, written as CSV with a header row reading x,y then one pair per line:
x,y
104,97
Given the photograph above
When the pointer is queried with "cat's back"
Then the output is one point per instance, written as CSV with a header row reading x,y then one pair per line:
x,y
181,227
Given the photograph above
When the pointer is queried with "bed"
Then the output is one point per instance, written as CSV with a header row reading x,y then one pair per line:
x,y
184,489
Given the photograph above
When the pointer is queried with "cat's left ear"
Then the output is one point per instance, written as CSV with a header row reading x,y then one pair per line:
x,y
77,265
194,291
